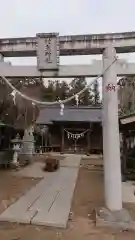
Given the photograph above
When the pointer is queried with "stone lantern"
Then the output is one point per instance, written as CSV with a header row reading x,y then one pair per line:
x,y
16,147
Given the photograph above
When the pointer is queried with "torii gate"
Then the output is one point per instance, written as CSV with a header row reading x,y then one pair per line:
x,y
47,48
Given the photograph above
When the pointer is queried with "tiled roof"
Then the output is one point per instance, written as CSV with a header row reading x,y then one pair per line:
x,y
72,114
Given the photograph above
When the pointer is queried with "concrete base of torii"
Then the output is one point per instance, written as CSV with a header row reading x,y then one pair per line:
x,y
114,214
116,219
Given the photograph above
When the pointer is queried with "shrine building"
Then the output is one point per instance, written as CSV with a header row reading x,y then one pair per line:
x,y
78,129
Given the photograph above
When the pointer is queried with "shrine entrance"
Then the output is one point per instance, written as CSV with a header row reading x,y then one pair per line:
x,y
48,48
76,139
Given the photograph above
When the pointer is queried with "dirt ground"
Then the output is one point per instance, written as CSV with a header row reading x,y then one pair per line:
x,y
88,195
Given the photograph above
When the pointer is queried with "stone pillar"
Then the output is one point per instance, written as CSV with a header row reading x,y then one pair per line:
x,y
111,143
28,142
1,58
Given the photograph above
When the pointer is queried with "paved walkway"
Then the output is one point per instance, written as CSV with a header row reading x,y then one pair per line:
x,y
36,169
49,202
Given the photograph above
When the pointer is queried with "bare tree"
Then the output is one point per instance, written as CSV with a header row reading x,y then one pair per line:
x,y
15,110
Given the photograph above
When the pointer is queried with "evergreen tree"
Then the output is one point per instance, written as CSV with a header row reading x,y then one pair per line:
x,y
96,93
48,92
56,90
61,90
77,85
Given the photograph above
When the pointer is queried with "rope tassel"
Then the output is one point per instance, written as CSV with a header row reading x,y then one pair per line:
x,y
61,109
13,93
77,99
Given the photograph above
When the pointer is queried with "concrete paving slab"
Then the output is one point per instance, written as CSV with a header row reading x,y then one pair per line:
x,y
58,212
48,195
17,216
48,203
19,209
65,178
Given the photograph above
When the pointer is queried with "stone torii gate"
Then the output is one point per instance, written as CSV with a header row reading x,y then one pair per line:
x,y
47,48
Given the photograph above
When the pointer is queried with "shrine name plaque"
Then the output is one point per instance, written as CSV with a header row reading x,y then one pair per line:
x,y
47,51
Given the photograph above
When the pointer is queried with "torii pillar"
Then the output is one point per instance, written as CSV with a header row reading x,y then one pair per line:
x,y
111,143
1,58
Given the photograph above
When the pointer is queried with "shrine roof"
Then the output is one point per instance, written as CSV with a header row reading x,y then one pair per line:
x,y
72,114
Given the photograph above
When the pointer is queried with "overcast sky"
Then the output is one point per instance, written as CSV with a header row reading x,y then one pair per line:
x,y
27,17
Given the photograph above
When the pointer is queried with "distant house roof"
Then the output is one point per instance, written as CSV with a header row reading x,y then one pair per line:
x,y
72,114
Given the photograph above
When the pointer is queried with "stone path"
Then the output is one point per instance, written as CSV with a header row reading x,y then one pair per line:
x,y
49,202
